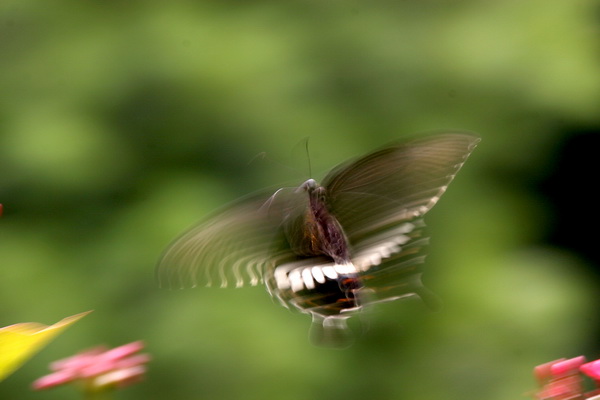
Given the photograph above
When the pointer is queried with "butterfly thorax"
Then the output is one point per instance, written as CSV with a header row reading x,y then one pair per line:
x,y
323,234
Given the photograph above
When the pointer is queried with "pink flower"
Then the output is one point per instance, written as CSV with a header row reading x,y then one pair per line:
x,y
560,379
99,368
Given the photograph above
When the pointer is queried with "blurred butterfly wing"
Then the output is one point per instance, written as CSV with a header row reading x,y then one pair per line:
x,y
380,200
395,184
231,248
394,273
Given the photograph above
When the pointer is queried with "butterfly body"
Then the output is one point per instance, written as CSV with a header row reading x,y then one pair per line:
x,y
328,250
322,234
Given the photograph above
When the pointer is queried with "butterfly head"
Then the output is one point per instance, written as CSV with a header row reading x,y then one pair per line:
x,y
315,191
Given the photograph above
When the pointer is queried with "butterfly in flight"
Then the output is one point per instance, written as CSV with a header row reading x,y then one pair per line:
x,y
328,249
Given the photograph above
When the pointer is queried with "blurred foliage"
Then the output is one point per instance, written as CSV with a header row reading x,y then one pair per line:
x,y
123,123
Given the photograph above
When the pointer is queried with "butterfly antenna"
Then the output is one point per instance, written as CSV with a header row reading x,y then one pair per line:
x,y
308,158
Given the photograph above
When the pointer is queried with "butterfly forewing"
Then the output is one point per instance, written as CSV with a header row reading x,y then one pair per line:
x,y
380,200
232,248
395,184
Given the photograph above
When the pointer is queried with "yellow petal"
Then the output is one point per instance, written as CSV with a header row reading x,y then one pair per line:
x,y
20,342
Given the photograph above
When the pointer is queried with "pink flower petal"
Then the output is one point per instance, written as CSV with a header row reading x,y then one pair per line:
x,y
123,351
544,372
570,366
562,389
78,360
54,379
97,368
591,369
133,361
120,378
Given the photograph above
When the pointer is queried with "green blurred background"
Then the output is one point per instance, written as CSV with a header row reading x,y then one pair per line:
x,y
124,122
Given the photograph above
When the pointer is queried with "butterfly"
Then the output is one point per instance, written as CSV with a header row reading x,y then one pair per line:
x,y
330,249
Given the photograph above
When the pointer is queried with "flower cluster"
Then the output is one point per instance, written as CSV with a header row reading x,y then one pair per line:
x,y
561,379
98,368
